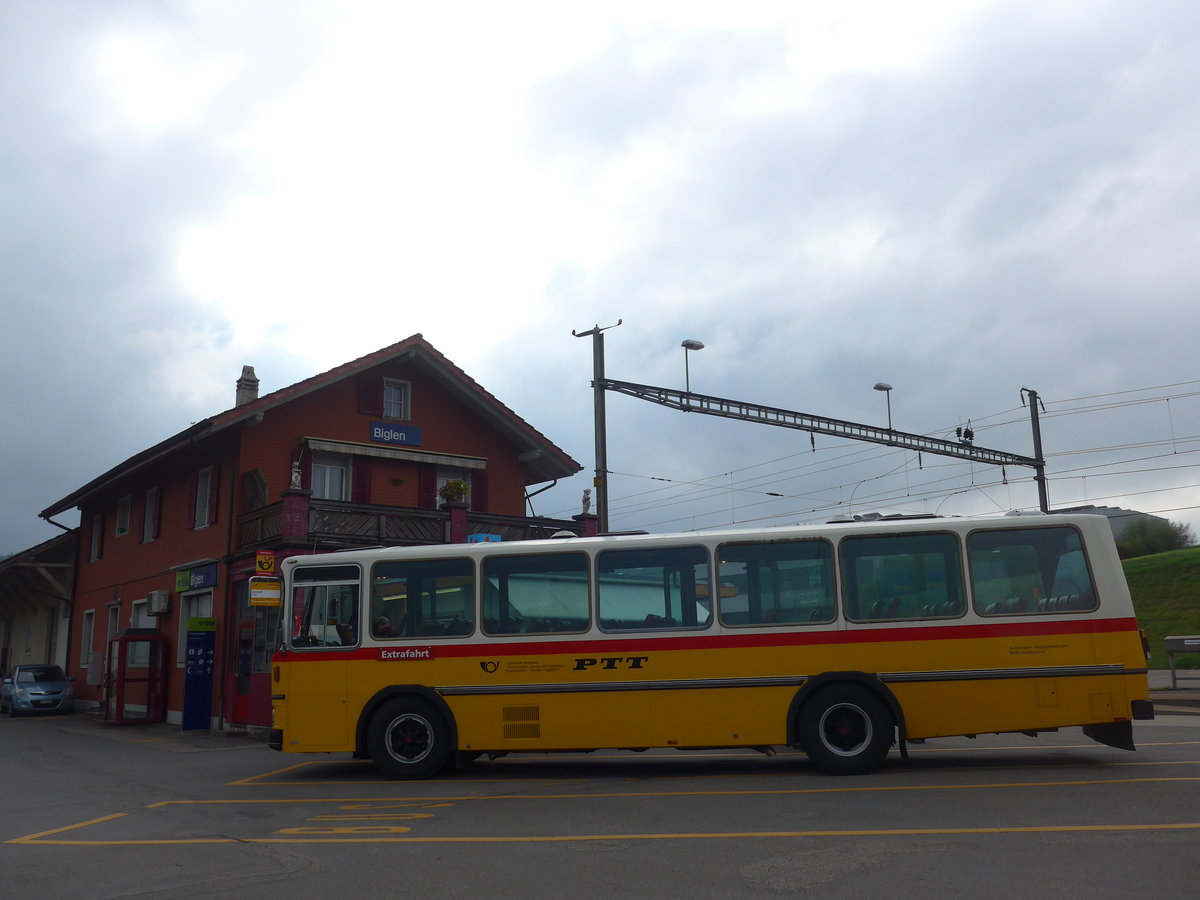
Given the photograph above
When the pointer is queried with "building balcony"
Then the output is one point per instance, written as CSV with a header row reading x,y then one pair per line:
x,y
331,525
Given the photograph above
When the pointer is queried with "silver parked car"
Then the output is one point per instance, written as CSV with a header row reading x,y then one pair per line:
x,y
40,688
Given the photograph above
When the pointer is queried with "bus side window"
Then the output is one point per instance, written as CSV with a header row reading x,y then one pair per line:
x,y
422,598
777,583
537,594
664,588
1030,571
904,576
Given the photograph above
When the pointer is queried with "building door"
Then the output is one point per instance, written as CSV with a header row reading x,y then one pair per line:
x,y
254,639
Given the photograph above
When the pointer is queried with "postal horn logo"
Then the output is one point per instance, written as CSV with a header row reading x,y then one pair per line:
x,y
489,666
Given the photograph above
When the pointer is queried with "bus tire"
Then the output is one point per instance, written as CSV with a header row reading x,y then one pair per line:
x,y
408,738
845,729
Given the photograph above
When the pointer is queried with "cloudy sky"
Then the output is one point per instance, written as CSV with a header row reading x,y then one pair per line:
x,y
960,199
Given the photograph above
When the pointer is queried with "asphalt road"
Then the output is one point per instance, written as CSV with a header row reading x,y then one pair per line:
x,y
93,811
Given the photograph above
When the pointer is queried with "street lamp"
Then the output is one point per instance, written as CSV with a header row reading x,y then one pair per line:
x,y
687,375
887,392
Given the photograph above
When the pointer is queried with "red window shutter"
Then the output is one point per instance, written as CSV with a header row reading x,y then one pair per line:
x,y
360,479
479,490
158,513
370,395
427,486
99,524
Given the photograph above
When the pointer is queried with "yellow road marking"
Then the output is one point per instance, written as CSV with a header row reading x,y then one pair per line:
x,y
45,837
253,778
399,817
29,838
568,838
464,798
364,829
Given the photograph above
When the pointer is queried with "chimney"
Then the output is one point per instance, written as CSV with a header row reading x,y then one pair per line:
x,y
247,387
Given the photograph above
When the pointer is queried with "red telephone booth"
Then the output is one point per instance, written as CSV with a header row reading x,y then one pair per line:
x,y
135,685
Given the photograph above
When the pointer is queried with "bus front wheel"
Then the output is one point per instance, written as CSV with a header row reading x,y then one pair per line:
x,y
408,738
845,729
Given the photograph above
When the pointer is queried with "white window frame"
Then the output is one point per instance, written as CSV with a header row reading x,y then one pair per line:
x,y
322,464
191,605
397,399
150,518
124,505
97,537
87,638
204,480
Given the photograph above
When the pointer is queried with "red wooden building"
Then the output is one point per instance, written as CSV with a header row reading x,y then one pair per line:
x,y
352,457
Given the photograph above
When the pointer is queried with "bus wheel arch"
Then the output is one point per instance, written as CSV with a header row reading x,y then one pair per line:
x,y
414,711
845,722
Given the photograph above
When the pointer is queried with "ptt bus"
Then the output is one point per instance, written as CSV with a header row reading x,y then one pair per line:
x,y
843,640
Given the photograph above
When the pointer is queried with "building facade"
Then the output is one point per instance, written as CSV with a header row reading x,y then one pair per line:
x,y
357,456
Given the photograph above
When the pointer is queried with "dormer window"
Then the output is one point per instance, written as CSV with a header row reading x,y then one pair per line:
x,y
396,399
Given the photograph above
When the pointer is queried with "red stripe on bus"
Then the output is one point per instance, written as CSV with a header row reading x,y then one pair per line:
x,y
799,638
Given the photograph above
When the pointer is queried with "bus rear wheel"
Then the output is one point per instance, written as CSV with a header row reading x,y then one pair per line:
x,y
408,738
845,729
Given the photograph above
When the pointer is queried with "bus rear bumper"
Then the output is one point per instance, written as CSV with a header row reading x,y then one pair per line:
x,y
275,739
1143,709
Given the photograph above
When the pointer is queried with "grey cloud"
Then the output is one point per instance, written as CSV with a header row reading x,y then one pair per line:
x,y
90,217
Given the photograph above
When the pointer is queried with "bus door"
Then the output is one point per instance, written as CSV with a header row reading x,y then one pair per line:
x,y
323,621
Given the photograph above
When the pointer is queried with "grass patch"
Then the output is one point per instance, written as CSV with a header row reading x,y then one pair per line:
x,y
1166,597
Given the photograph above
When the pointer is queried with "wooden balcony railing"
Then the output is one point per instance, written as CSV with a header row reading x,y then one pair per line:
x,y
333,525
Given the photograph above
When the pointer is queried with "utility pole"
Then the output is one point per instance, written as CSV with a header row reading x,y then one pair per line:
x,y
600,482
1039,471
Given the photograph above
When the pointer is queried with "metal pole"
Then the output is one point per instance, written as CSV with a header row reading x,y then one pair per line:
x,y
600,482
1039,470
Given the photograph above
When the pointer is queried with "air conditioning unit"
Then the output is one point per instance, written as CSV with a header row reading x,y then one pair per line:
x,y
158,603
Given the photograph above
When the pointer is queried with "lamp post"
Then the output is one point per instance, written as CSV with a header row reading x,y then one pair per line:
x,y
887,392
687,375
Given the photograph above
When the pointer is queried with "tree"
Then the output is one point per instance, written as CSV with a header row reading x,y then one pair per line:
x,y
1146,536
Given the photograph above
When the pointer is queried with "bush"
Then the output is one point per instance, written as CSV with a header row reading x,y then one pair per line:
x,y
1147,536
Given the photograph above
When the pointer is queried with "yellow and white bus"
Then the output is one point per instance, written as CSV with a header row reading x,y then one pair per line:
x,y
842,639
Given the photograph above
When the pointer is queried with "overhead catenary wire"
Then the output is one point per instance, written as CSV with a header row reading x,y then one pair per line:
x,y
774,481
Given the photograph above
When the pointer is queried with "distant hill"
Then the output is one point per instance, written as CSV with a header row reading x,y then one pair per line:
x,y
1166,596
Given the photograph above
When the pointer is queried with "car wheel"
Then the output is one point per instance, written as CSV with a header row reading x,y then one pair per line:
x,y
846,729
408,738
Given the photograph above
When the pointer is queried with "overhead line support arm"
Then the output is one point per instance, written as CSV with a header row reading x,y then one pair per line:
x,y
786,418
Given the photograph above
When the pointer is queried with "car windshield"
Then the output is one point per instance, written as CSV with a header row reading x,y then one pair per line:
x,y
40,673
